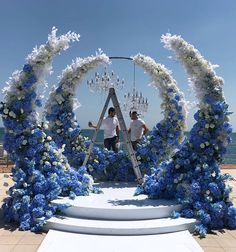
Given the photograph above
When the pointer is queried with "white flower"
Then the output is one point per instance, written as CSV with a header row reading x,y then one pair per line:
x,y
207,143
6,111
202,145
70,129
24,142
212,126
177,166
45,125
12,114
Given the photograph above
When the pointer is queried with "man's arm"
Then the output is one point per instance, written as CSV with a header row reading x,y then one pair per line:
x,y
92,125
118,133
145,129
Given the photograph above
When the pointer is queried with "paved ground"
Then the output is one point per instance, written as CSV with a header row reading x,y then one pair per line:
x,y
11,239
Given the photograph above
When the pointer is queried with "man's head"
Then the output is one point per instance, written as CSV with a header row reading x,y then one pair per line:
x,y
133,115
111,112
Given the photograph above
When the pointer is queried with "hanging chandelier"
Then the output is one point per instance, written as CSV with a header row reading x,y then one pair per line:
x,y
105,81
134,100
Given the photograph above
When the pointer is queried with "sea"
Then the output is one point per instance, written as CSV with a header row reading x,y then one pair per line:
x,y
230,157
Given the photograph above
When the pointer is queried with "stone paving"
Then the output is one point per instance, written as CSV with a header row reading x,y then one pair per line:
x,y
13,240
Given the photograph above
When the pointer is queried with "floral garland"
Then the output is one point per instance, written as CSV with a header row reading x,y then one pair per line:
x,y
167,136
64,129
193,174
104,165
63,126
41,173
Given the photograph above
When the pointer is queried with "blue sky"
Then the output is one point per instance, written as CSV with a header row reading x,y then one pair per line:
x,y
122,28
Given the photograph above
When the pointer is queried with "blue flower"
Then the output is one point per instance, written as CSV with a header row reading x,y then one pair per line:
x,y
27,68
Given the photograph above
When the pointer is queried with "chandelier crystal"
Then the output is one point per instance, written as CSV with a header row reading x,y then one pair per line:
x,y
134,100
105,81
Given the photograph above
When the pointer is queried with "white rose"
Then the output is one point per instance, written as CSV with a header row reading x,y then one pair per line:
x,y
70,129
24,142
12,114
202,145
177,166
6,111
45,125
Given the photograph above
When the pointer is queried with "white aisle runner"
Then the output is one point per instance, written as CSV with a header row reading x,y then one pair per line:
x,y
59,241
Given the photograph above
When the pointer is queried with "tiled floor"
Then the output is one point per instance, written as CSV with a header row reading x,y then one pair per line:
x,y
11,239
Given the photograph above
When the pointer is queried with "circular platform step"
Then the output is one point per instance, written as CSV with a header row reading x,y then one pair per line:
x,y
118,203
118,212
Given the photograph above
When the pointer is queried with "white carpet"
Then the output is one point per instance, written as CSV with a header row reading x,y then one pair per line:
x,y
71,242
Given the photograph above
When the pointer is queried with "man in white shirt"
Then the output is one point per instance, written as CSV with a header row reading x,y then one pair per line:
x,y
111,130
137,129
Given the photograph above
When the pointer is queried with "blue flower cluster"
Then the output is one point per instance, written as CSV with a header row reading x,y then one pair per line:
x,y
40,172
66,131
193,175
166,135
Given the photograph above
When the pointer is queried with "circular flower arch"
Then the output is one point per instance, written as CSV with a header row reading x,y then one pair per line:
x,y
161,144
167,135
59,109
193,174
41,173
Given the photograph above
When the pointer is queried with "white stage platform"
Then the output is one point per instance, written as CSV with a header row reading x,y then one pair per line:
x,y
118,221
117,202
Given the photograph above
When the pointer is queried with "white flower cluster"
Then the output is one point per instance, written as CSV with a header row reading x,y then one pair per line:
x,y
203,79
71,77
41,57
173,101
40,60
201,72
163,81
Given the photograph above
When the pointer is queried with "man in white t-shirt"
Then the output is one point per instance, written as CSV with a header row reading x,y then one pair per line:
x,y
111,130
137,129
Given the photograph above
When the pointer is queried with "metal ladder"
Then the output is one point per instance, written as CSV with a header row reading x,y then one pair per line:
x,y
112,96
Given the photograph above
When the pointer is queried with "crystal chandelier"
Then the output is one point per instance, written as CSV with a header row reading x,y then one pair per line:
x,y
105,81
134,101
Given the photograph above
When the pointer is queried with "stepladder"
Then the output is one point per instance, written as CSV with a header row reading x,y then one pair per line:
x,y
113,97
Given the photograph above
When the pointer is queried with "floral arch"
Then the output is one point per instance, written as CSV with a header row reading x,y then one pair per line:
x,y
48,156
160,145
